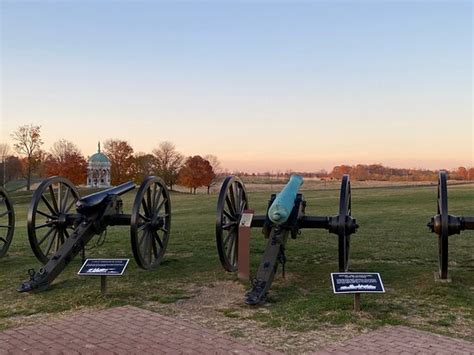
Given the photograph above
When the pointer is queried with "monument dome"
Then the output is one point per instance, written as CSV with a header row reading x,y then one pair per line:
x,y
98,170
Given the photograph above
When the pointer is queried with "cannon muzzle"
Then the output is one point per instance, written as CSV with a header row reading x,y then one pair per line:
x,y
283,204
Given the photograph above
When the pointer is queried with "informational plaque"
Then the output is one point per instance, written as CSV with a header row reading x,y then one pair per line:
x,y
356,282
246,219
103,267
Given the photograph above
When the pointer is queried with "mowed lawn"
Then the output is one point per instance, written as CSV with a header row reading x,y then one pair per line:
x,y
392,239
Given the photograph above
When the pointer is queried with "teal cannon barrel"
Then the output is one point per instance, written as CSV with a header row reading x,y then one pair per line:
x,y
283,204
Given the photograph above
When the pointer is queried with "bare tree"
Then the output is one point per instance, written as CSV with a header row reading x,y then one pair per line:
x,y
168,162
62,149
28,140
216,168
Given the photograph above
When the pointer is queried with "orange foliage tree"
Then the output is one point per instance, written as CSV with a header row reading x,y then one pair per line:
x,y
143,166
66,160
120,154
195,172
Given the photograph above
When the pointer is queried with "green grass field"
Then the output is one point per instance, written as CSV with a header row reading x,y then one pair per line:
x,y
392,239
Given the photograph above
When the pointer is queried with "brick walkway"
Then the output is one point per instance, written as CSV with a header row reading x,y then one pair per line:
x,y
127,330
400,340
123,330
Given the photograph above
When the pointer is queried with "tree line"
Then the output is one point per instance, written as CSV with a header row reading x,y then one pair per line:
x,y
65,159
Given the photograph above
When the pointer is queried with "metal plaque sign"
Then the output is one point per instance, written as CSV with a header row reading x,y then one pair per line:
x,y
103,267
356,282
246,219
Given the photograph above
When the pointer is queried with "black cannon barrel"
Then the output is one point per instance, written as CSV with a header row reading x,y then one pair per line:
x,y
96,198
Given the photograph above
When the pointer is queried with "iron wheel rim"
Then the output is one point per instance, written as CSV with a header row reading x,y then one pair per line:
x,y
232,196
149,228
54,210
342,229
444,219
7,222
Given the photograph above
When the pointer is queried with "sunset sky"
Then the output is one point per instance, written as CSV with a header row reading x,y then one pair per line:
x,y
263,85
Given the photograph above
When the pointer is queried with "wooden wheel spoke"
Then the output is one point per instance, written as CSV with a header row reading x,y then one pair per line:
x,y
158,197
229,216
230,205
48,224
231,239
238,198
145,218
44,214
48,233
148,201
154,248
144,235
226,240
65,198
153,197
157,238
51,242
66,233
3,240
228,225
48,205
230,247
4,226
53,197
159,207
145,208
70,205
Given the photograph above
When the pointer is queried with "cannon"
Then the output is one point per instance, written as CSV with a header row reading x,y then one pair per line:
x,y
445,225
285,216
7,222
57,235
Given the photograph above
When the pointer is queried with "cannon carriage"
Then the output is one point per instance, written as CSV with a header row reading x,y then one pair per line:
x,y
445,225
57,234
285,217
7,221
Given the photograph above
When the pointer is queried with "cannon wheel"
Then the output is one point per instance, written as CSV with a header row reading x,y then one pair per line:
x,y
47,216
444,231
342,230
231,204
150,222
7,222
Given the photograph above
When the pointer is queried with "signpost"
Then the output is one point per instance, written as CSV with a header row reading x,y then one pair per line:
x,y
243,245
103,268
356,283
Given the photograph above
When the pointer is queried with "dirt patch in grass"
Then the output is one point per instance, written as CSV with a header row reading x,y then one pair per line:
x,y
220,306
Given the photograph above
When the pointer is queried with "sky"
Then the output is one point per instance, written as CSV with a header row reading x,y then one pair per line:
x,y
263,85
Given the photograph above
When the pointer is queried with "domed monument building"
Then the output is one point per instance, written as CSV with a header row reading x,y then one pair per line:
x,y
98,170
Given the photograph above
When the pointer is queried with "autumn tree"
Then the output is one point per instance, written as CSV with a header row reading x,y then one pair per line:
x,y
66,160
120,154
168,163
338,171
4,153
144,165
195,172
216,168
28,141
13,170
